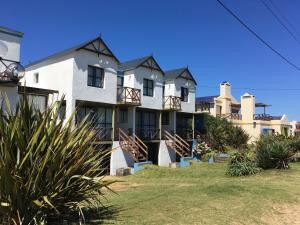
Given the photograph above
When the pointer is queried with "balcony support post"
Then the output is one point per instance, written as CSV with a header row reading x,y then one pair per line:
x,y
113,123
193,126
133,119
159,124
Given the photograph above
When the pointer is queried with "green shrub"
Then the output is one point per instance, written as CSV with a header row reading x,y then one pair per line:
x,y
273,152
242,164
219,133
48,169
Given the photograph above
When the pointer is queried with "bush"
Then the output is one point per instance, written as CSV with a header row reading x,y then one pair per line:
x,y
273,152
242,164
48,169
219,133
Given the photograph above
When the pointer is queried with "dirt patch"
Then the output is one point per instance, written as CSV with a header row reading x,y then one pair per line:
x,y
283,214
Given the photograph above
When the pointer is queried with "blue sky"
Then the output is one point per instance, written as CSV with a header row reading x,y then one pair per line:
x,y
200,34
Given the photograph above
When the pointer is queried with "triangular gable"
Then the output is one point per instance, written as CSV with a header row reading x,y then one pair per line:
x,y
99,47
150,63
186,74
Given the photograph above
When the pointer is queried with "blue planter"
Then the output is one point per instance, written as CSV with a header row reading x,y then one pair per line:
x,y
139,166
185,161
211,160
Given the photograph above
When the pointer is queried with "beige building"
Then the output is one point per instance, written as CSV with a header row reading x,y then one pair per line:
x,y
243,113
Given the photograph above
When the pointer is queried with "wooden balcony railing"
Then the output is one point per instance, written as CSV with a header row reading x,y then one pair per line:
x,y
127,95
172,103
180,146
148,133
232,116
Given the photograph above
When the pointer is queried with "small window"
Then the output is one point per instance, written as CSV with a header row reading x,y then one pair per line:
x,y
184,94
165,118
148,87
120,81
36,78
95,76
123,116
62,111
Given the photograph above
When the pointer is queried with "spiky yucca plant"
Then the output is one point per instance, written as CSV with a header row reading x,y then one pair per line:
x,y
48,168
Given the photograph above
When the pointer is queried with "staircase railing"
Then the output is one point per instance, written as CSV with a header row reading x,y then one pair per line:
x,y
133,145
181,147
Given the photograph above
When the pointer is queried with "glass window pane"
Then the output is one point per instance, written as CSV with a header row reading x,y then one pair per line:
x,y
108,118
150,83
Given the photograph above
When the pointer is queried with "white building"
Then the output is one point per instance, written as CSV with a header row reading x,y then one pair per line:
x,y
126,100
9,53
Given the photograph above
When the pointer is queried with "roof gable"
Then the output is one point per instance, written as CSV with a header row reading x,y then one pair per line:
x,y
147,62
96,45
99,47
180,73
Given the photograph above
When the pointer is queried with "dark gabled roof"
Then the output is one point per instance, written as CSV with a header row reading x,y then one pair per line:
x,y
206,99
100,48
9,31
180,73
148,62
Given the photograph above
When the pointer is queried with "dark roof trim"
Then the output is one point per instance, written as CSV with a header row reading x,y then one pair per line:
x,y
187,70
33,90
72,49
12,32
97,50
133,64
177,73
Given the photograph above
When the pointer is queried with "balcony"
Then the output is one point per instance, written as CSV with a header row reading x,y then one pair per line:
x,y
265,117
232,116
148,133
172,103
128,96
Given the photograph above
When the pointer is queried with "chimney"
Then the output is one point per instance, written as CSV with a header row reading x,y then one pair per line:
x,y
225,95
248,107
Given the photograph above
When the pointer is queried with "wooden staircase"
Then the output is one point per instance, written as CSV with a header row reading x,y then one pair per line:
x,y
134,146
181,147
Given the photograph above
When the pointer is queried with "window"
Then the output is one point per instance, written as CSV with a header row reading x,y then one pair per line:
x,y
120,81
62,111
148,87
36,78
39,102
123,116
165,118
184,94
95,76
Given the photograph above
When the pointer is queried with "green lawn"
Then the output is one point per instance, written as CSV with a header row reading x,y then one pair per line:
x,y
203,194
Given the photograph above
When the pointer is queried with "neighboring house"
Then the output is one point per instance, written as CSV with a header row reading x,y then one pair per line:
x,y
243,113
10,85
126,101
9,53
295,128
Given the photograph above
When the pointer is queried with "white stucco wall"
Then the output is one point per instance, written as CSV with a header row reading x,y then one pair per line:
x,y
154,102
81,91
166,155
13,44
188,106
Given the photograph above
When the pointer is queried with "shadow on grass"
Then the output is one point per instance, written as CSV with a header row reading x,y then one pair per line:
x,y
92,216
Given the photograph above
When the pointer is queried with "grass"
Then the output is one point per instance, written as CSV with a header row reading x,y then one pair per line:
x,y
203,194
